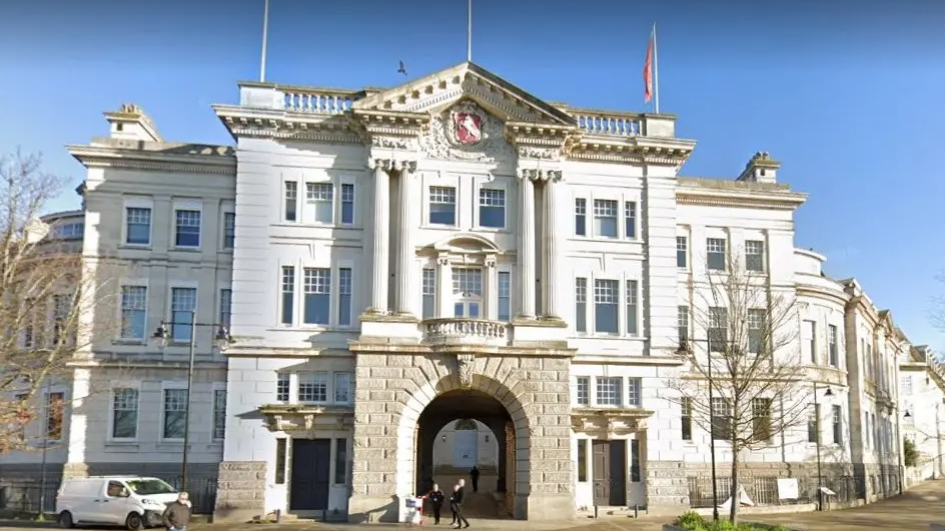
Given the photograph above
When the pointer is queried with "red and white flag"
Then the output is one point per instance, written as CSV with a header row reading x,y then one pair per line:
x,y
648,69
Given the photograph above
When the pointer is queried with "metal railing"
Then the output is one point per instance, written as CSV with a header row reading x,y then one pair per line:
x,y
763,490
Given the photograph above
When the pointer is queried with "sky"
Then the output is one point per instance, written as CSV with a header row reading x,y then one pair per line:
x,y
846,93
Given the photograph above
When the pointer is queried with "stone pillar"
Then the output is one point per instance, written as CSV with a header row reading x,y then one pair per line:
x,y
406,254
490,290
526,247
667,489
381,239
241,492
444,287
551,239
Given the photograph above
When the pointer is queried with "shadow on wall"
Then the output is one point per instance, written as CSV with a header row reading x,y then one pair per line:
x,y
387,513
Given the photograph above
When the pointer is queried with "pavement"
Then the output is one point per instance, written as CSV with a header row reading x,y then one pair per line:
x,y
912,511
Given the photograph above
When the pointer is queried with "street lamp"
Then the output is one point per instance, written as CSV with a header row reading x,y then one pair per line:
x,y
685,349
221,340
820,487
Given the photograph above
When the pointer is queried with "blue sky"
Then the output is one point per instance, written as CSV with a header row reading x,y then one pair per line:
x,y
846,93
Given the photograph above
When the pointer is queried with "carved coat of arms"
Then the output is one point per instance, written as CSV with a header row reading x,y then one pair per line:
x,y
468,128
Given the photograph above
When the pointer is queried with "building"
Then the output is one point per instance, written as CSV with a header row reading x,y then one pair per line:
x,y
392,261
922,395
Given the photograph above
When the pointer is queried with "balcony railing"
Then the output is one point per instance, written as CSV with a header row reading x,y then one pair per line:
x,y
608,123
465,331
318,101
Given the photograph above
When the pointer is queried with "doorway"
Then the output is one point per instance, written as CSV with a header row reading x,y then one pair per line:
x,y
309,485
609,460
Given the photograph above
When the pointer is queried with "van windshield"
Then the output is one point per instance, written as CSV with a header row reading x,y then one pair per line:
x,y
147,487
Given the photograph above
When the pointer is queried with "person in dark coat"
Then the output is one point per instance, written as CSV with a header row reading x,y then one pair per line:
x,y
177,514
474,475
436,501
456,504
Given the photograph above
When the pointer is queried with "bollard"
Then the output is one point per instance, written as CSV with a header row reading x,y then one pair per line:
x,y
278,516
595,510
636,510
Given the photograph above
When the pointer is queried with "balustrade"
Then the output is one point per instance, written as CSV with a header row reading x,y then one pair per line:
x,y
468,331
608,123
318,101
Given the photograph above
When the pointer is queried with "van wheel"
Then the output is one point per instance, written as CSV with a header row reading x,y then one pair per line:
x,y
65,520
134,522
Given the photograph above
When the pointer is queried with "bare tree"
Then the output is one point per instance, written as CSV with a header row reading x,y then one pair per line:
x,y
49,295
739,379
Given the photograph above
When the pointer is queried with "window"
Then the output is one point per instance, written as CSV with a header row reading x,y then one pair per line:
x,y
634,460
761,419
809,341
343,388
715,254
55,407
630,219
317,285
62,306
344,296
582,460
138,226
837,426
467,292
721,419
609,392
756,323
175,411
229,230
583,388
347,204
313,387
442,205
124,413
219,414
686,408
68,231
183,306
682,252
718,329
226,304
291,198
187,229
580,217
867,430
319,202
813,425
605,218
283,385
32,309
505,296
288,295
832,345
635,392
341,460
429,293
871,369
280,460
682,325
633,307
905,385
134,303
606,297
755,256
580,306
491,208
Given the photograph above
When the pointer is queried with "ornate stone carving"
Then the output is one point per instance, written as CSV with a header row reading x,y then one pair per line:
x,y
532,152
393,142
443,259
490,261
464,366
540,174
446,139
390,164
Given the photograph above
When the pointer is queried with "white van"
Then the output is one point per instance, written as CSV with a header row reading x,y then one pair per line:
x,y
132,501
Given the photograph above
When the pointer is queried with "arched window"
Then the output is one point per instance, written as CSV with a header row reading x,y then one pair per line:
x,y
466,425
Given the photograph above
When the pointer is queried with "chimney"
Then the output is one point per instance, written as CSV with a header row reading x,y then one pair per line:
x,y
131,122
760,169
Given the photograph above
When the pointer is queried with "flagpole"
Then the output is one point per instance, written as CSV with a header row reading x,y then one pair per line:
x,y
469,31
265,38
656,73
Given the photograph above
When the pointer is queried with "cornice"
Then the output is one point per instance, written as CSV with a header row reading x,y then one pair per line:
x,y
281,124
838,296
706,198
110,157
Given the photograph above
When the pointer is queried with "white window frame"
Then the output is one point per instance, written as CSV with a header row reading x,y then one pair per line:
x,y
507,269
218,386
136,202
621,391
187,205
688,261
333,388
763,256
166,386
636,219
309,217
227,209
576,399
134,282
333,284
343,181
169,311
473,299
299,190
622,312
66,420
218,316
328,388
335,319
574,215
111,412
725,252
457,201
496,186
618,217
296,279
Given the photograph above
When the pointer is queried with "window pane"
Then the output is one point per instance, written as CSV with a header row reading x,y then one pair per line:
x,y
580,217
175,408
491,208
632,308
606,299
505,296
229,230
344,296
183,304
125,414
288,294
755,255
715,258
429,293
582,459
138,226
605,218
134,301
442,205
347,204
188,228
583,390
580,310
609,391
219,413
342,388
682,249
630,219
313,387
319,198
291,200
317,285
341,460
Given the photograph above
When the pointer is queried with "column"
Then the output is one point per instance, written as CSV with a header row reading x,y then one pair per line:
x,y
552,247
490,289
381,239
406,254
444,287
526,247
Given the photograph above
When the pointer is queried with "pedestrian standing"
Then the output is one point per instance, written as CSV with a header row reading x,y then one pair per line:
x,y
456,504
177,514
436,500
474,475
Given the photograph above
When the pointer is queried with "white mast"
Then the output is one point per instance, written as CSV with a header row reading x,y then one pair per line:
x,y
265,37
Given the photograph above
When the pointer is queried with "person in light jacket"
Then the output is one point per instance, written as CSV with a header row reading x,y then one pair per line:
x,y
177,514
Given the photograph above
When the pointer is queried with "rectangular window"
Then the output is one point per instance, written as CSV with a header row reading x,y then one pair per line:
x,y
429,293
134,306
837,425
634,461
630,219
833,346
867,430
291,198
288,295
344,296
175,409
229,230
124,413
317,286
721,419
62,306
580,217
219,414
809,340
319,202
347,204
605,218
138,226
715,254
582,460
682,325
633,308
609,392
755,256
583,388
283,385
491,208
280,460
226,305
686,407
467,288
341,460
606,300
313,387
183,306
813,425
55,409
905,385
870,368
761,419
442,205
718,329
756,323
343,387
187,229
682,252
635,392
505,296
580,305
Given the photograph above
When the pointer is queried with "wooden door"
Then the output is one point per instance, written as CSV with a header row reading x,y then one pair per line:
x,y
618,473
600,459
311,459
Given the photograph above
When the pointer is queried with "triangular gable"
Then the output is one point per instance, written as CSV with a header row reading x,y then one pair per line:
x,y
435,92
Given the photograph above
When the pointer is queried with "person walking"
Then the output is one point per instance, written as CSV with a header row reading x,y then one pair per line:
x,y
436,501
474,475
177,514
456,504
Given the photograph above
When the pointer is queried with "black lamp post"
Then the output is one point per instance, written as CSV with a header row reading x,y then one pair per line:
x,y
221,340
685,349
820,487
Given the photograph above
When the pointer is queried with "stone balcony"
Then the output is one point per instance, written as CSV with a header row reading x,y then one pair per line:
x,y
463,331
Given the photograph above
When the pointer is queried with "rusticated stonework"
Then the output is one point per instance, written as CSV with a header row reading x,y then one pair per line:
x,y
241,491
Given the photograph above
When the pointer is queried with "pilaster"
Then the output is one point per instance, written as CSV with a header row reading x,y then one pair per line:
x,y
380,301
490,295
406,254
444,286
